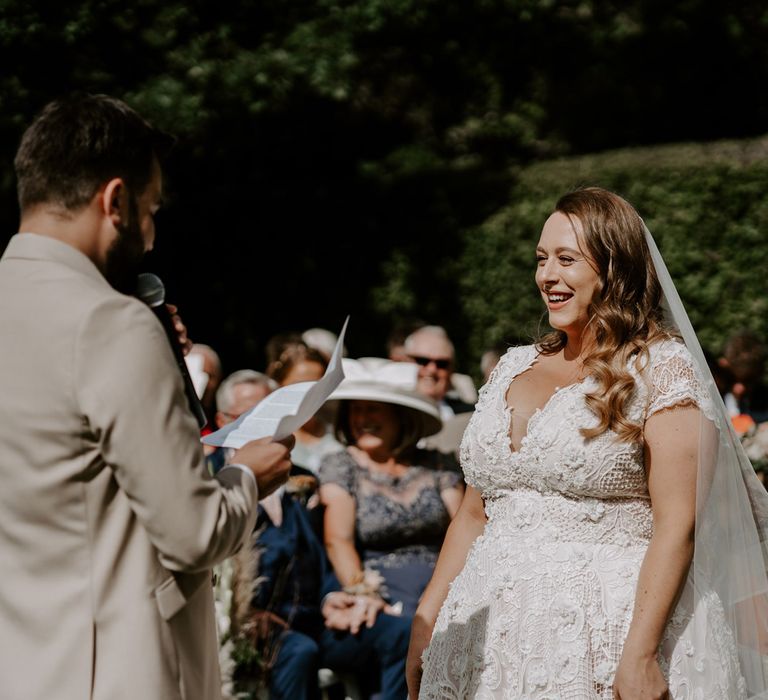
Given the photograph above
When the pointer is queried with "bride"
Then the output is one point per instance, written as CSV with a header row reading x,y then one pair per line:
x,y
611,542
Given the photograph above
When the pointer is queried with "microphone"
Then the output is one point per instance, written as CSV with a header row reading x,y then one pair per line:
x,y
150,290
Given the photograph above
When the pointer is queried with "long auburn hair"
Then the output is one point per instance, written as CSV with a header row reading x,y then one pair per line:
x,y
625,316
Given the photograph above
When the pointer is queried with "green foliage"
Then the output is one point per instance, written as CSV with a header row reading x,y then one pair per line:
x,y
395,297
706,206
251,669
310,130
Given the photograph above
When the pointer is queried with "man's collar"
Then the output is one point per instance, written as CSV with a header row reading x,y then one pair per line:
x,y
35,246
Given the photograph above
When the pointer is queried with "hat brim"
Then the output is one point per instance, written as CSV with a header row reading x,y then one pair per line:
x,y
364,391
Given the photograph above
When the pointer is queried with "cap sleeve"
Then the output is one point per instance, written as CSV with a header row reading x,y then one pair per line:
x,y
674,379
339,468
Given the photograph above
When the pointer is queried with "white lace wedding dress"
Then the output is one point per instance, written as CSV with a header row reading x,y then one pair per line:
x,y
544,602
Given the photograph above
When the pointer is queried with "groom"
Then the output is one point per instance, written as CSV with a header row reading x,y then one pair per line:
x,y
109,521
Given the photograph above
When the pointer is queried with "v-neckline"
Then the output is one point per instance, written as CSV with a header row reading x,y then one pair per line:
x,y
509,410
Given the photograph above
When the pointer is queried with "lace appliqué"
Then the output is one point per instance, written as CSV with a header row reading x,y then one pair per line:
x,y
674,380
543,604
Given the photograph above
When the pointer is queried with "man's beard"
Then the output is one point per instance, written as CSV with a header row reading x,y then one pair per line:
x,y
124,256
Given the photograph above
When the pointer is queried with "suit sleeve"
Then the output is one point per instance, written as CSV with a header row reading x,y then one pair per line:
x,y
132,398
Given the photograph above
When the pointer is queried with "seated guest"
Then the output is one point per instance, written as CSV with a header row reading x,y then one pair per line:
x,y
236,395
744,357
303,621
432,350
297,362
387,503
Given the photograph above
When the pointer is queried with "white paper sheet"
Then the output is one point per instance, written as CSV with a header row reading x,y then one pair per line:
x,y
285,410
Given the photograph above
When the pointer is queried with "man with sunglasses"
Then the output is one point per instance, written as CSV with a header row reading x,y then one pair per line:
x,y
432,349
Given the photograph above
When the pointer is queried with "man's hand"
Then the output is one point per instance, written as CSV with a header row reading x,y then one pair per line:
x,y
268,460
344,611
181,329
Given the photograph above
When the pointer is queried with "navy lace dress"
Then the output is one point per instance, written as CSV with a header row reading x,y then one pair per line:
x,y
400,521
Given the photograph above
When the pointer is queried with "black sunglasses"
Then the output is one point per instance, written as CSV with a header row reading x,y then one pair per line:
x,y
440,363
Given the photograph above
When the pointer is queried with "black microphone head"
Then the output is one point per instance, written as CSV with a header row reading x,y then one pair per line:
x,y
150,289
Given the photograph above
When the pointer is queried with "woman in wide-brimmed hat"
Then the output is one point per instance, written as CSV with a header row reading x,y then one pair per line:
x,y
388,503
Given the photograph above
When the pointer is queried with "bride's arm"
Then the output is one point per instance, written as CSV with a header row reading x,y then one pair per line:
x,y
671,459
464,529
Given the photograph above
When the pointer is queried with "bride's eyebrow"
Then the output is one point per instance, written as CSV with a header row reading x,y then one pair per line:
x,y
557,251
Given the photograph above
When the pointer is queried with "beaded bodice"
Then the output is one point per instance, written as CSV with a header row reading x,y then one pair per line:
x,y
559,484
553,455
545,600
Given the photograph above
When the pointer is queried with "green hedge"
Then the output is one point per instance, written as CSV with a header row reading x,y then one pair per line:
x,y
706,205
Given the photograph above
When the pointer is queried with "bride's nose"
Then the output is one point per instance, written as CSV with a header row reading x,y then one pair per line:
x,y
547,274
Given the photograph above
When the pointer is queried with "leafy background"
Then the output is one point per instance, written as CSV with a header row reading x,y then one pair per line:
x,y
395,159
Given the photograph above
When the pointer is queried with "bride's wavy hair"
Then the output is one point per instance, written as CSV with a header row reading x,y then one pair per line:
x,y
625,316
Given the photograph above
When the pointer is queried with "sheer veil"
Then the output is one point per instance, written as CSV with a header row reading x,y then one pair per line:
x,y
730,562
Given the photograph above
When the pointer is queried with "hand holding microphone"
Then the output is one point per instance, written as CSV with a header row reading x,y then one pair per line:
x,y
268,460
181,330
151,291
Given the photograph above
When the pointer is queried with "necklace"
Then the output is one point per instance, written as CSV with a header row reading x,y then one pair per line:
x,y
571,371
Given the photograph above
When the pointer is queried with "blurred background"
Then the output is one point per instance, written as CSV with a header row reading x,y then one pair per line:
x,y
395,159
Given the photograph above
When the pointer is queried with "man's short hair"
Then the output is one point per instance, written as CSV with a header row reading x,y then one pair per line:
x,y
437,332
241,376
79,142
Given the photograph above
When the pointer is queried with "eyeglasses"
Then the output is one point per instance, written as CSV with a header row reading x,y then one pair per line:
x,y
440,362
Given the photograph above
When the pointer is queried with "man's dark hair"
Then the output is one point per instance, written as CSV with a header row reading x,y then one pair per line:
x,y
79,142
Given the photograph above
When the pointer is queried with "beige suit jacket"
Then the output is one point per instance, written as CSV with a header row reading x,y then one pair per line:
x,y
109,523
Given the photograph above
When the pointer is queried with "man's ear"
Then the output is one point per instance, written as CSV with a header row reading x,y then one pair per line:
x,y
114,200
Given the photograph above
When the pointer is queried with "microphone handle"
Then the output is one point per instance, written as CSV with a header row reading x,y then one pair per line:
x,y
189,388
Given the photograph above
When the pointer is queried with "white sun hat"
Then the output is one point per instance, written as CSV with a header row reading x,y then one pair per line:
x,y
377,379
